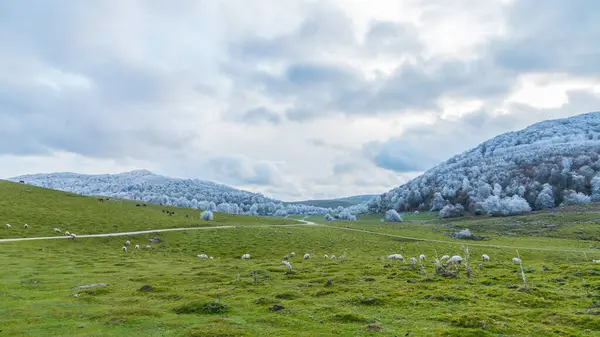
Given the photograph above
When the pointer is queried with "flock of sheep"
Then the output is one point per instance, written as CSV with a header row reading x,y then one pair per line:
x,y
127,243
55,230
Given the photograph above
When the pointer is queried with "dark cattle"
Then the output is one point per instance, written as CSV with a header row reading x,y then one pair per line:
x,y
138,205
144,205
21,181
187,216
101,200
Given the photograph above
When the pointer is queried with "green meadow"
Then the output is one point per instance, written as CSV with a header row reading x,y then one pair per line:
x,y
168,291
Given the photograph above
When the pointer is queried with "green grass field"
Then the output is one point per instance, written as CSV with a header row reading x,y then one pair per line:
x,y
365,295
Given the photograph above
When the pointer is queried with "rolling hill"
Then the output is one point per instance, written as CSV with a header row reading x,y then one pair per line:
x,y
549,164
146,186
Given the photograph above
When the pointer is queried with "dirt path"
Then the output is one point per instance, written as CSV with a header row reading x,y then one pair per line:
x,y
144,232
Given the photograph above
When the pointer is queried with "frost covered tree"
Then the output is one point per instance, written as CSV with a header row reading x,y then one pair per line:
x,y
328,217
545,200
496,206
281,212
452,211
570,197
438,202
596,189
392,216
206,215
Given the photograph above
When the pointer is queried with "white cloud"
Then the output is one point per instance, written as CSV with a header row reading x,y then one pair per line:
x,y
280,97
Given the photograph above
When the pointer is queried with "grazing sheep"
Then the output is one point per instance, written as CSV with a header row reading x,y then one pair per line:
x,y
595,261
148,247
245,256
127,243
73,236
26,226
413,260
293,254
485,257
444,258
395,257
342,258
454,260
56,230
137,246
332,257
203,256
516,260
287,264
421,257
306,256
124,249
326,257
8,226
67,233
212,258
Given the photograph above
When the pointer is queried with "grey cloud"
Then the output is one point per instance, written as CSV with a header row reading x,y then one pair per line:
x,y
236,169
558,36
261,114
424,146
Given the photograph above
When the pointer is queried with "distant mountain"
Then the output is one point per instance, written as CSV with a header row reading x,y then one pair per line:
x,y
548,164
338,202
361,198
146,186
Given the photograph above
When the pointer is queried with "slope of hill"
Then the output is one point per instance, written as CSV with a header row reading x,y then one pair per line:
x,y
146,186
548,164
45,209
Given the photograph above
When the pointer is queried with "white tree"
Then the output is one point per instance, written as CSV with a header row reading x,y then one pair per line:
x,y
545,200
570,197
392,216
452,211
438,202
596,188
206,215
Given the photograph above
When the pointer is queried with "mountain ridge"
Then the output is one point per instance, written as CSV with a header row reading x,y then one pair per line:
x,y
555,158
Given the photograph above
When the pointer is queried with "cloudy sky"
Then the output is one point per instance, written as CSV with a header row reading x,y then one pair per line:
x,y
294,99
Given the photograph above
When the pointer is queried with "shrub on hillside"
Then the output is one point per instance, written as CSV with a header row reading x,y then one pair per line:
x,y
206,215
392,216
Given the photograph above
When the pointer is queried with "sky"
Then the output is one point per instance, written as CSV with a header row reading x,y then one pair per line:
x,y
294,99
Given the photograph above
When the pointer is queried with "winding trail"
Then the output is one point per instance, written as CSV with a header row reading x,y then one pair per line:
x,y
303,223
144,232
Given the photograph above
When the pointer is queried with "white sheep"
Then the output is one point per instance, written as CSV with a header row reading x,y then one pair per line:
x,y
212,258
67,234
56,230
8,226
137,246
326,257
293,254
444,258
516,260
287,264
484,257
454,260
124,249
26,226
148,247
203,256
421,257
306,256
127,243
73,236
395,257
332,257
413,260
245,256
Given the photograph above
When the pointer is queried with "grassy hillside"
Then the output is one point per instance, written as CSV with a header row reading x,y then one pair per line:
x,y
365,295
45,209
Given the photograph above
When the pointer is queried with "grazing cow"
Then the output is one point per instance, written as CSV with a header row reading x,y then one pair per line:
x,y
138,205
144,205
21,181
